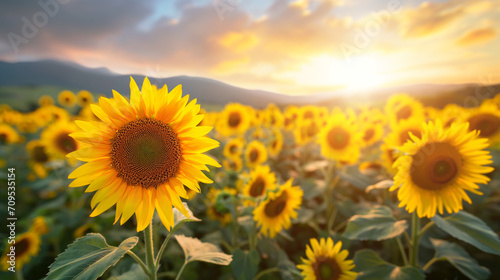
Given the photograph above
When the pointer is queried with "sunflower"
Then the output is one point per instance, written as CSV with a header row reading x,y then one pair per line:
x,y
486,120
66,98
326,261
26,246
217,210
452,113
439,167
261,180
234,164
308,112
371,132
38,157
39,225
305,130
290,117
276,211
255,153
234,120
233,148
57,141
402,107
340,139
273,116
276,143
8,135
45,100
143,153
84,98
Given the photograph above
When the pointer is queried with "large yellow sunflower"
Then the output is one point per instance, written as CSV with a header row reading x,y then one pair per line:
x,y
84,98
439,167
326,261
66,98
261,180
255,153
26,246
275,212
486,120
234,120
340,139
143,153
57,141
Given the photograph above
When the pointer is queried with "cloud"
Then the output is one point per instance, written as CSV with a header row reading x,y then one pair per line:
x,y
477,36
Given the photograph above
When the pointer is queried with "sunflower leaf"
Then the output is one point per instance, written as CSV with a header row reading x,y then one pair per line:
x,y
88,258
196,250
470,229
371,266
460,259
245,264
377,224
180,219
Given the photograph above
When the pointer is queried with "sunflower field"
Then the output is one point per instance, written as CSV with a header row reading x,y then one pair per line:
x,y
148,184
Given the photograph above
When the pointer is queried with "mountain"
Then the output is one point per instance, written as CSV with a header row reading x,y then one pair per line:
x,y
75,77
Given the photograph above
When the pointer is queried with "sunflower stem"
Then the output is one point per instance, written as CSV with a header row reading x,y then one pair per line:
x,y
162,248
19,275
139,261
181,270
267,271
425,228
429,263
148,236
402,250
415,228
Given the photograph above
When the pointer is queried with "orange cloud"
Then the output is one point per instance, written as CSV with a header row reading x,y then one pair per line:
x,y
477,36
238,42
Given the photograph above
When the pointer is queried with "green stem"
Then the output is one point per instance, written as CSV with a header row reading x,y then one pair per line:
x,y
139,261
402,250
264,272
425,228
148,236
19,275
415,227
162,248
180,271
429,263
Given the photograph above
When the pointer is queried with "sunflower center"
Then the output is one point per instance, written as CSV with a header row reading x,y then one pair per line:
x,y
65,143
254,154
234,119
404,113
369,133
435,165
233,149
308,115
257,187
326,268
39,154
276,206
487,124
3,137
84,99
146,152
338,138
22,246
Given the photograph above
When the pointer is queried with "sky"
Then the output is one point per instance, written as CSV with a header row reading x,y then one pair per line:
x,y
290,47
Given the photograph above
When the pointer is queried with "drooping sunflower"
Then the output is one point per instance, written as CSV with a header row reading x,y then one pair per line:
x,y
255,153
45,100
233,148
38,157
326,261
340,139
234,120
261,180
143,153
275,212
486,120
26,245
402,107
8,135
218,199
66,98
84,98
57,141
439,167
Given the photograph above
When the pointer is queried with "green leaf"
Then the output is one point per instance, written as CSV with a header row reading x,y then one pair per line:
x,y
371,267
245,264
470,229
135,273
377,224
88,258
460,259
195,250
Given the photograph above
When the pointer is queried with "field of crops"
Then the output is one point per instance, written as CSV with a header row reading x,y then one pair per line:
x,y
149,185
